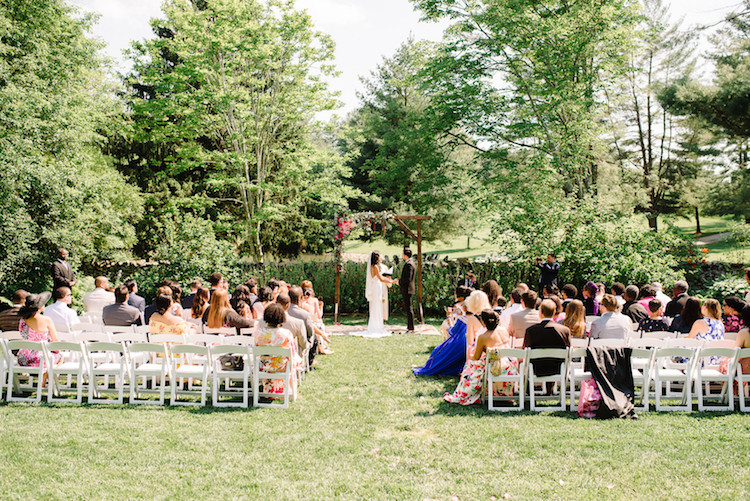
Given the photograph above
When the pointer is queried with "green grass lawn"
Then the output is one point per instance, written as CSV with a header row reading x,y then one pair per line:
x,y
365,428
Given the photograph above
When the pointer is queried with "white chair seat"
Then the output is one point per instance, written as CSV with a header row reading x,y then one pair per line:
x,y
673,374
110,367
712,374
148,368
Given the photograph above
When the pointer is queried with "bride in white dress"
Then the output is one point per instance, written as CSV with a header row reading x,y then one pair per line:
x,y
376,292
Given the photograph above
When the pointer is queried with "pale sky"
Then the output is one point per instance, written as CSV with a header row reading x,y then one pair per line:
x,y
364,30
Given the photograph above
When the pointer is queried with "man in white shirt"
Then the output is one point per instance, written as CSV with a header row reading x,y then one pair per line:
x,y
528,316
660,294
618,289
515,305
60,311
95,301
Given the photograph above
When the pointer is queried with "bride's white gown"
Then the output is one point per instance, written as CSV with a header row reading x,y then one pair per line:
x,y
377,294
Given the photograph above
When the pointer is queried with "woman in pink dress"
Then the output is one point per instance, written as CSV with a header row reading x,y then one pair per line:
x,y
272,334
35,327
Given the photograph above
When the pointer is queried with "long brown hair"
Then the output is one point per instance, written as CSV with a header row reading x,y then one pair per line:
x,y
575,318
217,310
200,301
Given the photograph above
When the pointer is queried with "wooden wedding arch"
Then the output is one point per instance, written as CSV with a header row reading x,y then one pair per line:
x,y
346,223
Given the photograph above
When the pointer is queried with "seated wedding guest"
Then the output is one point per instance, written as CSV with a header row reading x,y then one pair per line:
x,y
176,296
293,325
526,317
655,322
34,326
470,386
271,333
241,301
691,312
659,293
60,311
9,318
134,299
452,314
559,311
710,327
618,289
265,297
494,292
96,300
252,285
469,281
200,302
747,279
314,307
743,341
575,318
646,294
296,311
569,293
515,305
550,290
275,286
151,309
220,313
217,282
732,308
599,292
679,297
163,321
448,358
546,334
632,309
121,313
187,301
590,291
612,324
524,287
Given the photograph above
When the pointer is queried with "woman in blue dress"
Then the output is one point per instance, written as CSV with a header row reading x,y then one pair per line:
x,y
448,358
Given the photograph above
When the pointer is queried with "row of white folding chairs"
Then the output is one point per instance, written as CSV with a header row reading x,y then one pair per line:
x,y
138,329
649,365
162,360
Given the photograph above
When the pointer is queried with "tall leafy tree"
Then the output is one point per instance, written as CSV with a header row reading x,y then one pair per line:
x,y
222,102
56,188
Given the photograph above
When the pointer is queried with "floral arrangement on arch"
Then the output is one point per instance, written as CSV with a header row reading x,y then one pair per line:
x,y
345,224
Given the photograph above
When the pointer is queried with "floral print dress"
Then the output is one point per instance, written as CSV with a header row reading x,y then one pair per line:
x,y
32,358
278,336
471,387
715,333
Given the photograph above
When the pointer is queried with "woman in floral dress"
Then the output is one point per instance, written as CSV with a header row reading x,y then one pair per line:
x,y
35,327
272,334
710,327
470,387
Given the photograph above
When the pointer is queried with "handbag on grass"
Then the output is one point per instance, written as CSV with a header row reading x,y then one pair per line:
x,y
590,399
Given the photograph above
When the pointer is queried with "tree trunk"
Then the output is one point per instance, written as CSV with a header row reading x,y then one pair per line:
x,y
697,220
468,241
653,222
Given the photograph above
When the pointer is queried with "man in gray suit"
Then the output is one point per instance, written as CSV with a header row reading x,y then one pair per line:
x,y
295,311
121,313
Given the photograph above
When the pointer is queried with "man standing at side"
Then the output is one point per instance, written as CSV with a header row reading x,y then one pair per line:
x,y
406,284
62,273
549,271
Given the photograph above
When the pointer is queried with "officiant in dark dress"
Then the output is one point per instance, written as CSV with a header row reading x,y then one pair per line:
x,y
406,284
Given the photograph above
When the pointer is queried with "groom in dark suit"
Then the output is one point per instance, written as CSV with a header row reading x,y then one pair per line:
x,y
406,284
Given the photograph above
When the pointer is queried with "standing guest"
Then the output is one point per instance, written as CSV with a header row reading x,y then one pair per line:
x,y
655,322
220,313
691,313
575,318
612,324
515,305
470,280
134,299
494,293
35,327
62,273
60,311
293,325
200,302
265,297
187,301
121,313
528,316
9,318
680,297
635,311
548,271
151,309
96,300
241,301
547,334
406,285
590,291
569,293
163,321
274,334
295,295
660,294
618,289
732,308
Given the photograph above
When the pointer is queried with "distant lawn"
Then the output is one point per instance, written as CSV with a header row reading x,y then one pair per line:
x,y
365,428
479,245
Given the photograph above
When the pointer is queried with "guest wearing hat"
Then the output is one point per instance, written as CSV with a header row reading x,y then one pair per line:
x,y
35,327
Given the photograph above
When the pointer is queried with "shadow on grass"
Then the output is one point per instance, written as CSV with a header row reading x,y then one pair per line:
x,y
193,409
448,409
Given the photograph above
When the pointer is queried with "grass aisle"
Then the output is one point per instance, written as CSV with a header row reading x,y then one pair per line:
x,y
364,428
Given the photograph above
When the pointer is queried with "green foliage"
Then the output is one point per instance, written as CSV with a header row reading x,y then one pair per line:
x,y
727,285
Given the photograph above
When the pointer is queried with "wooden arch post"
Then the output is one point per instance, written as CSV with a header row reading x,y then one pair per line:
x,y
418,237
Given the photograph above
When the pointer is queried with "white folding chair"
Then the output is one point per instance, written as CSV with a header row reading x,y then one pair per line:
x,y
666,371
641,364
608,343
720,343
647,343
229,375
142,329
11,335
62,328
155,367
198,367
288,376
129,337
87,327
730,336
579,342
683,342
557,378
247,331
659,335
94,318
238,340
106,360
576,373
15,369
3,368
705,374
518,380
117,329
742,380
73,365
222,331
198,322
